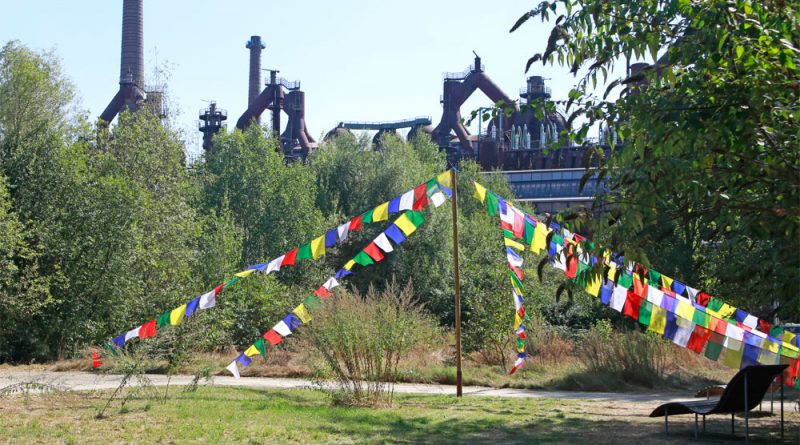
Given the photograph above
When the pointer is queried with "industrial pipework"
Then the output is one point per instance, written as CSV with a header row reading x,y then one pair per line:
x,y
458,87
279,94
131,74
212,120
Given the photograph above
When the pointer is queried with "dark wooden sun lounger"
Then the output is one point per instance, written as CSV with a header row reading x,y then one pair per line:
x,y
745,390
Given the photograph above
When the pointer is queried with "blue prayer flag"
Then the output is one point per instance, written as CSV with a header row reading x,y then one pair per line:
x,y
191,307
394,205
330,238
244,360
395,234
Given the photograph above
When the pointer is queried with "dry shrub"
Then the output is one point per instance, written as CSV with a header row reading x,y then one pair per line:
x,y
362,338
547,345
634,357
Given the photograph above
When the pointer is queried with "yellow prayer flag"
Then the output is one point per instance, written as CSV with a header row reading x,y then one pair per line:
x,y
790,347
349,265
612,272
446,179
517,321
405,224
788,337
177,314
381,212
252,351
733,359
539,238
318,247
685,310
666,282
727,311
658,320
514,244
593,286
771,346
480,191
302,313
516,287
245,273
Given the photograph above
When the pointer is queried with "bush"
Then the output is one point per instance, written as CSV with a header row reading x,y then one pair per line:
x,y
634,357
361,339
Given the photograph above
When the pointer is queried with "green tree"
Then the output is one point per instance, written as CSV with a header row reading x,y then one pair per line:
x,y
710,169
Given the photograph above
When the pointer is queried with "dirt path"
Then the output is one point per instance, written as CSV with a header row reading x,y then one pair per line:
x,y
85,381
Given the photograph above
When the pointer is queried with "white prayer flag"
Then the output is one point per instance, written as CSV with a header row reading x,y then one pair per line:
x,y
208,300
234,369
383,242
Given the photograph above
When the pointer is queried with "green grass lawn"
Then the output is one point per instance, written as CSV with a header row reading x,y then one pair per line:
x,y
240,415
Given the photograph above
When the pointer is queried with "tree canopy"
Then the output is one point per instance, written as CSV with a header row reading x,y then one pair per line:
x,y
706,186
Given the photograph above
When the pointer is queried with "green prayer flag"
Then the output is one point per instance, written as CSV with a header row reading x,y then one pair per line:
x,y
645,311
528,233
713,350
363,259
163,320
625,280
508,234
714,304
312,302
700,318
491,203
304,252
776,331
558,239
431,185
366,217
516,280
655,278
416,218
259,344
231,282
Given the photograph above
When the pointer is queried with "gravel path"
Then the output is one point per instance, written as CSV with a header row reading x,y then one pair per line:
x,y
85,381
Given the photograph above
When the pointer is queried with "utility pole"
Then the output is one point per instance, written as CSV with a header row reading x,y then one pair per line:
x,y
454,206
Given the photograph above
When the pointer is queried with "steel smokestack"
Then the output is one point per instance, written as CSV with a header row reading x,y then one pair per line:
x,y
255,46
132,60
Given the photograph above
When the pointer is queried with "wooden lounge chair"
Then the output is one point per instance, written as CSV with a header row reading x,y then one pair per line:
x,y
742,394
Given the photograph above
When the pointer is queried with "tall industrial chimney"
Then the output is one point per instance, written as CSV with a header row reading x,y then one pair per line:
x,y
132,61
255,46
131,71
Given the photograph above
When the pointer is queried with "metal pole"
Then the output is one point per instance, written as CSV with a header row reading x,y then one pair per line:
x,y
746,412
454,206
782,407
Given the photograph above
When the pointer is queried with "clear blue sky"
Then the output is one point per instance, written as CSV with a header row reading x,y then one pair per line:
x,y
357,60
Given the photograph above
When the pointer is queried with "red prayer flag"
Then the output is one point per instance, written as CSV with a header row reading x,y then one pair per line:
x,y
96,360
703,298
218,289
632,304
517,271
420,197
513,370
522,335
290,258
639,287
572,261
669,292
507,226
790,375
273,337
322,292
698,339
373,251
355,223
764,326
148,329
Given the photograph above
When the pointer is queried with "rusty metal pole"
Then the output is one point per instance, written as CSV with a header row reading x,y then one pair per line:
x,y
454,206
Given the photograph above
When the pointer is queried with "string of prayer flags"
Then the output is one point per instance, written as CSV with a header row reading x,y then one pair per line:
x,y
512,224
688,317
302,313
414,199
